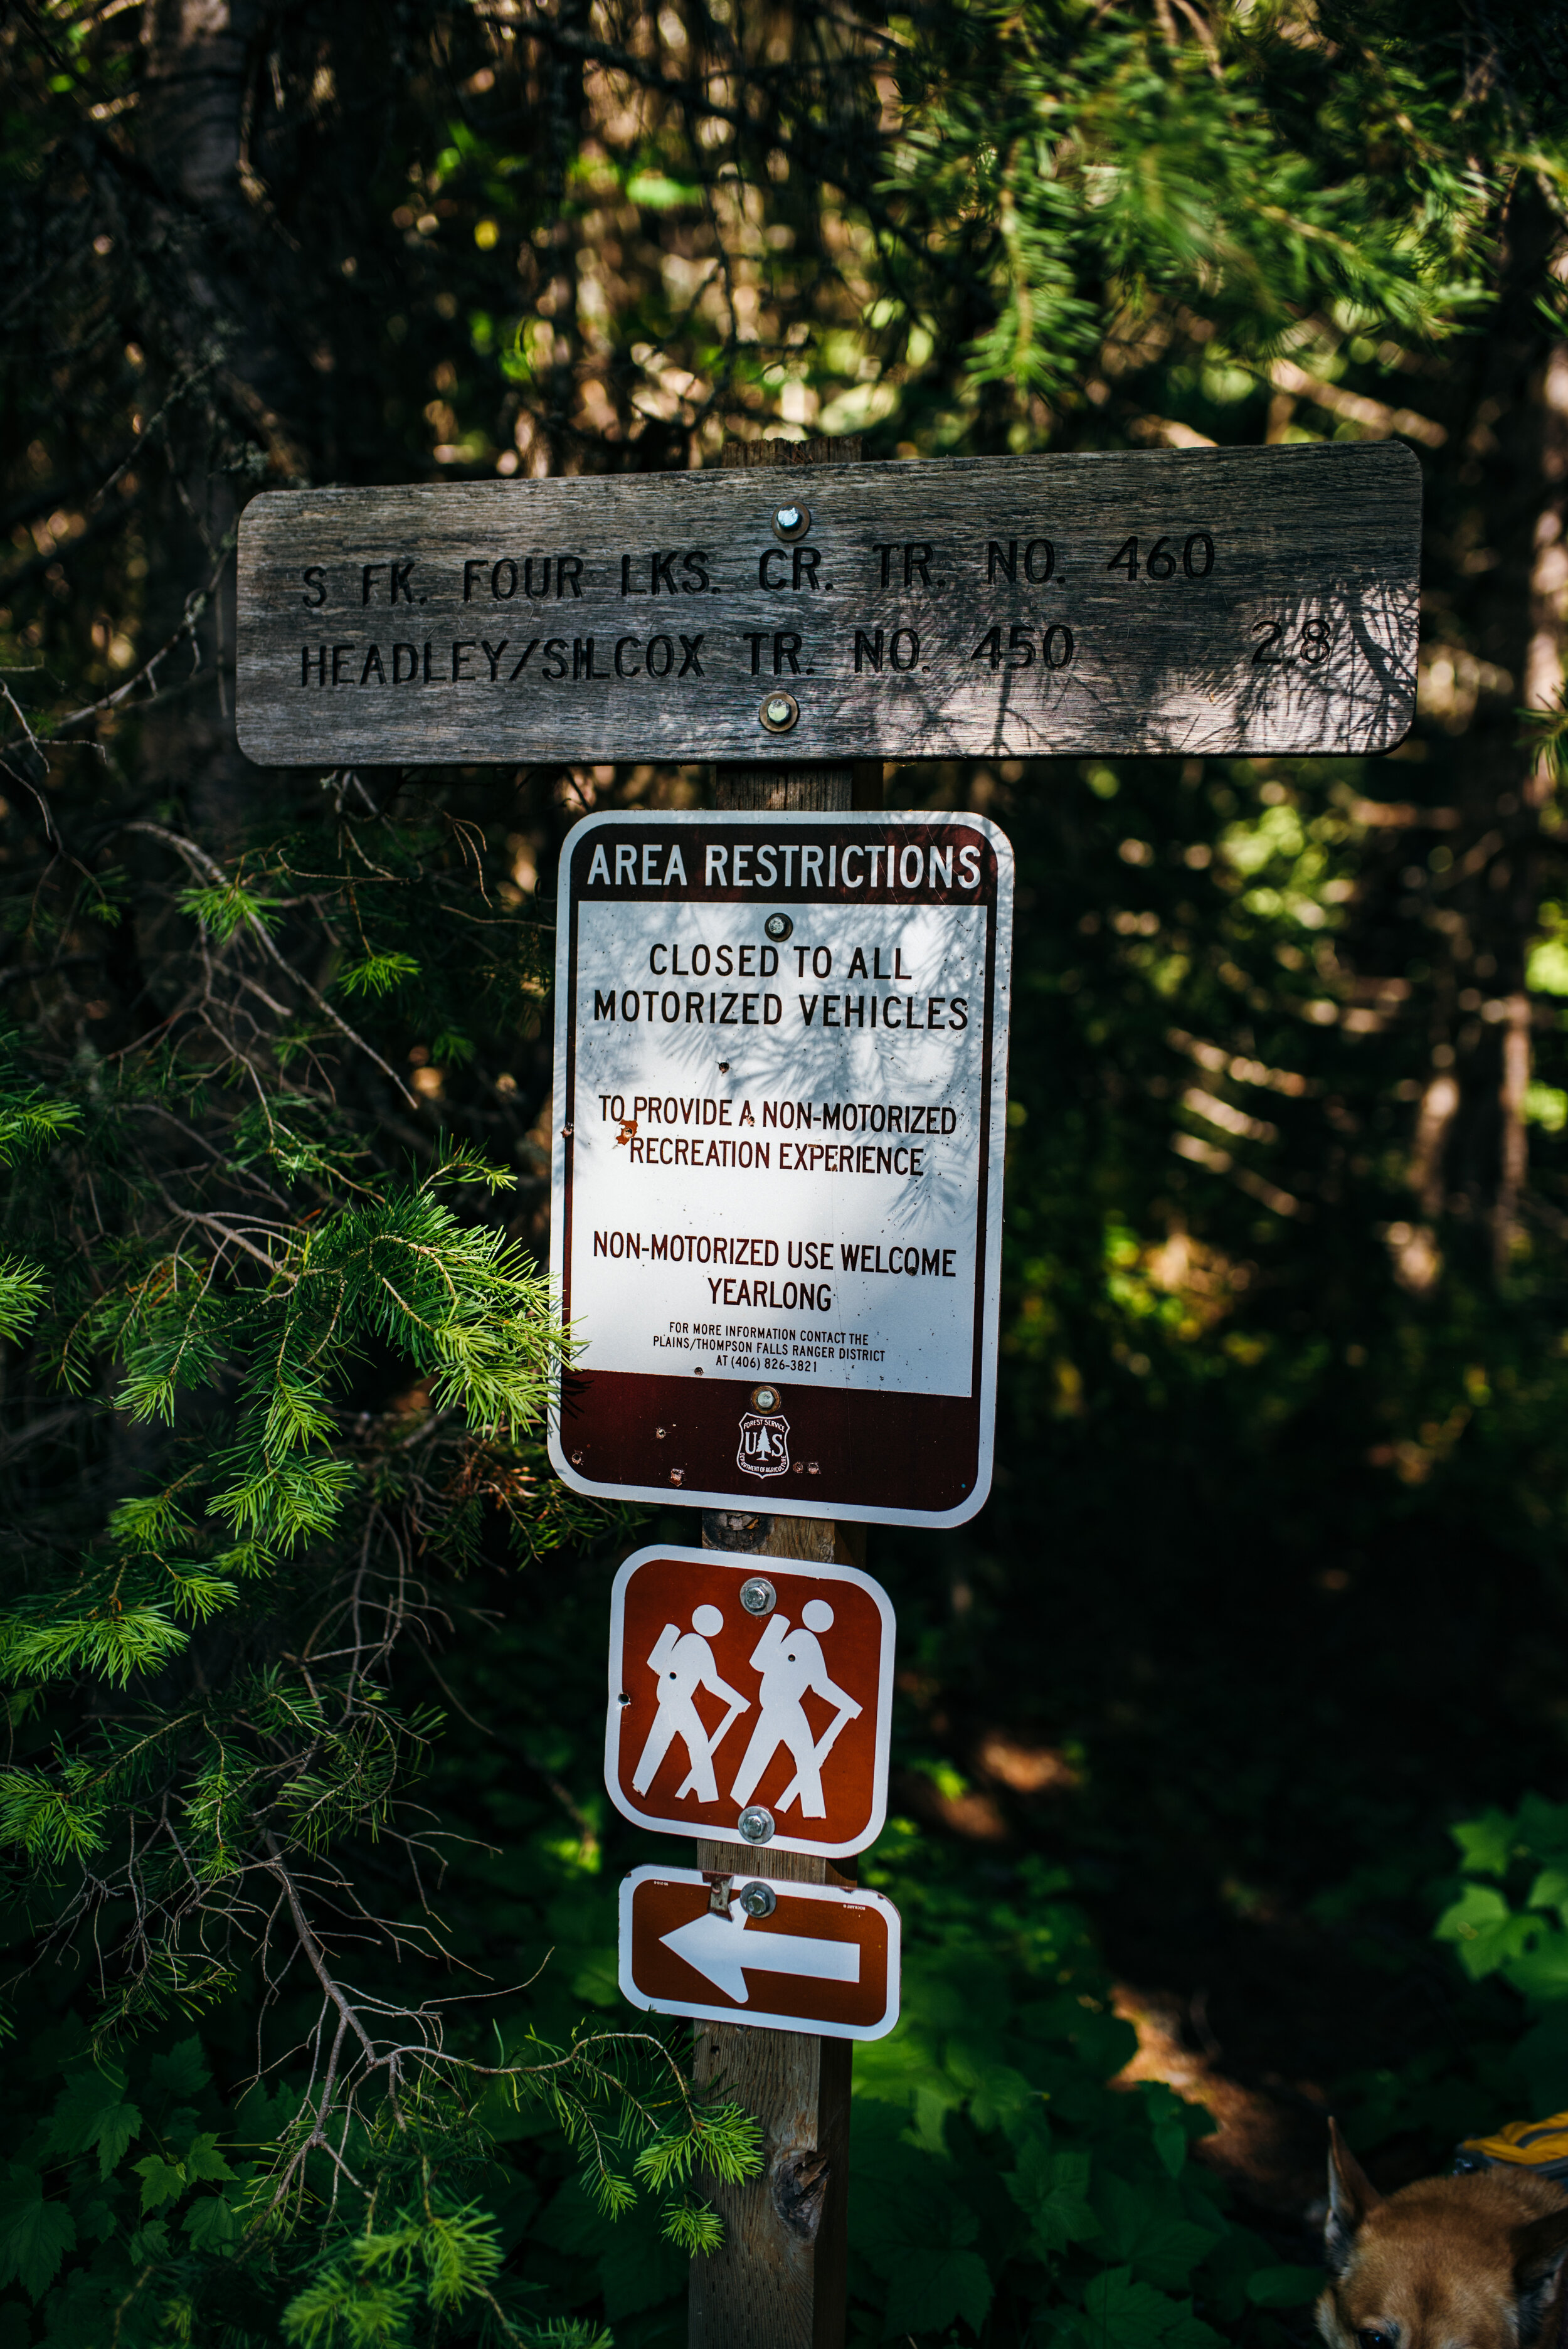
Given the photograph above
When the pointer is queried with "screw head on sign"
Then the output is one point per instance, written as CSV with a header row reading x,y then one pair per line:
x,y
758,1595
765,1398
756,1824
779,926
758,1900
577,1460
779,713
792,521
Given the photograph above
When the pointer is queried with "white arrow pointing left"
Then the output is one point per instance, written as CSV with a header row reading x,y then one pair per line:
x,y
722,1949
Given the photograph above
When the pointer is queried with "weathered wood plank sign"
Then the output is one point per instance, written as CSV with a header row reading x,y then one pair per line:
x,y
776,1217
1184,601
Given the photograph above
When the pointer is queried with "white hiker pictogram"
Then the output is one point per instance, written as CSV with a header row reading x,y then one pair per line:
x,y
683,1661
790,1662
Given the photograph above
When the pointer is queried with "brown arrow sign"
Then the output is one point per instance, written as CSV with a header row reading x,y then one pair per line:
x,y
784,1957
750,1699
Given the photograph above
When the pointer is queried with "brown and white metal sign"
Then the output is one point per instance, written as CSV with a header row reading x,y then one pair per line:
x,y
780,1066
783,1957
1193,601
749,1701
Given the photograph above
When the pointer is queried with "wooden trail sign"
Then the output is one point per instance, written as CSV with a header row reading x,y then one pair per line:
x,y
784,1957
750,1703
776,1214
1186,601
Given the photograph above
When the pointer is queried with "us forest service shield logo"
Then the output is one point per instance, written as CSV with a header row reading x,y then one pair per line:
x,y
764,1444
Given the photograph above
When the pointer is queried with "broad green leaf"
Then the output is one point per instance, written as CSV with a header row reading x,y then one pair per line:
x,y
211,2225
205,2161
93,2111
1147,2230
180,2072
1052,2190
932,2288
161,2181
34,2235
1541,1971
1486,1845
1485,1930
1121,2314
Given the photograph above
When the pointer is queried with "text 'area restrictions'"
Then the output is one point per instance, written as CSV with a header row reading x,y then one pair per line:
x,y
781,1058
1191,601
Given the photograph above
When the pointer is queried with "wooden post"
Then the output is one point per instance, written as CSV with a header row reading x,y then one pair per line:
x,y
781,2279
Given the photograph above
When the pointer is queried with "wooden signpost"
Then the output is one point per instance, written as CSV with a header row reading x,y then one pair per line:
x,y
792,614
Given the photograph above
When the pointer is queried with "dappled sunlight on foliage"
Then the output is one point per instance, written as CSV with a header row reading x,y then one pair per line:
x,y
311,1926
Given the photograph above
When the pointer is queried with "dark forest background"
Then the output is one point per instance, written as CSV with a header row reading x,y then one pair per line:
x,y
1231,1742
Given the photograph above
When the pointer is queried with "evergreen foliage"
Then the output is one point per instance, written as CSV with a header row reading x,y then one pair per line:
x,y
310,1869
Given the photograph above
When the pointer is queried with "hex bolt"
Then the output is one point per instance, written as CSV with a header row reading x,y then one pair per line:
x,y
758,1900
779,926
756,1824
791,521
765,1398
779,713
758,1595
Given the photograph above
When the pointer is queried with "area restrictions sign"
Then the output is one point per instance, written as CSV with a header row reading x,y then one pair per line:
x,y
1193,601
781,1064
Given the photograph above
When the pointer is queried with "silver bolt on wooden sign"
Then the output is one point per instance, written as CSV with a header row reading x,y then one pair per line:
x,y
781,1053
1184,601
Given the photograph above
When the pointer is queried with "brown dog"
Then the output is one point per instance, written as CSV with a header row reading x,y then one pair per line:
x,y
1468,2263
